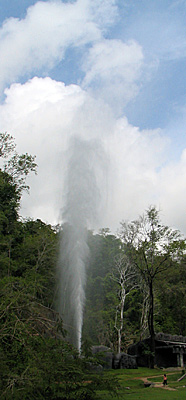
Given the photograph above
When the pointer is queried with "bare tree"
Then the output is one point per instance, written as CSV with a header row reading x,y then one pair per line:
x,y
125,276
145,310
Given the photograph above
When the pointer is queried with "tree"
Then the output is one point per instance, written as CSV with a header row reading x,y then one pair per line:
x,y
13,173
151,247
18,166
36,255
7,144
9,205
36,361
171,297
101,291
125,276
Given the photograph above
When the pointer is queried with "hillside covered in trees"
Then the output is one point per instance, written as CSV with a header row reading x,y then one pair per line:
x,y
36,360
136,286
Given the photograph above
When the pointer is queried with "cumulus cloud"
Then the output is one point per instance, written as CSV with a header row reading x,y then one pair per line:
x,y
113,68
136,160
44,115
37,42
42,37
104,12
39,115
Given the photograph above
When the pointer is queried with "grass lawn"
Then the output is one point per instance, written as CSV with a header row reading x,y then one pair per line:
x,y
131,385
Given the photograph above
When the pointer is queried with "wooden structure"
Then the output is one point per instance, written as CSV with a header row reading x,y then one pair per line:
x,y
170,351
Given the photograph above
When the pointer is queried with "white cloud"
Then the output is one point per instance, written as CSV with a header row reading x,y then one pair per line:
x,y
44,114
104,12
39,115
113,69
42,37
136,157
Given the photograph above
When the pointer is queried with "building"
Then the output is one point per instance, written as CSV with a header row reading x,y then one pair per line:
x,y
170,351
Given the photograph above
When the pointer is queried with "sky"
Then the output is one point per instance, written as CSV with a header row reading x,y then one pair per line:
x,y
112,74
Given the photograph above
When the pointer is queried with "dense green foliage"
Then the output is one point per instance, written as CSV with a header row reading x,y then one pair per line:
x,y
157,254
36,360
103,293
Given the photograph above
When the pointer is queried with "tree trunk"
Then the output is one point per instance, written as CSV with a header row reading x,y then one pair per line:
x,y
151,326
121,322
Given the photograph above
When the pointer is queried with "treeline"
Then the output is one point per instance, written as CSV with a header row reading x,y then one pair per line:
x,y
136,286
36,360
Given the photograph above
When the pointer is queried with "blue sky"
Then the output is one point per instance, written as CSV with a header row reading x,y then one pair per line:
x,y
125,59
159,27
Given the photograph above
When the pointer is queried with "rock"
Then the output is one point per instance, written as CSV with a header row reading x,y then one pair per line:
x,y
106,356
128,361
147,384
123,360
110,360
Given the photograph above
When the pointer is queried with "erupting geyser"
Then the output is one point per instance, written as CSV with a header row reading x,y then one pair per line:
x,y
80,212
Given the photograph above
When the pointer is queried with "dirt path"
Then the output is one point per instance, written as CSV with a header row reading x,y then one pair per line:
x,y
155,384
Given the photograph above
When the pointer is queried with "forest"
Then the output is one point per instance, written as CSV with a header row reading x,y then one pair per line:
x,y
136,287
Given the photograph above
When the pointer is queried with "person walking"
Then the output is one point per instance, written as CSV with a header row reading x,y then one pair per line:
x,y
164,379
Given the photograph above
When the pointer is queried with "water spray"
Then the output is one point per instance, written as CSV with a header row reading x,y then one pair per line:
x,y
80,212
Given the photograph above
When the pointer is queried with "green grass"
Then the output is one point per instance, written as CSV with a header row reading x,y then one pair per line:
x,y
131,385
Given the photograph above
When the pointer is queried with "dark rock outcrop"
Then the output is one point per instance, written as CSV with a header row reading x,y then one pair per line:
x,y
110,360
123,360
105,356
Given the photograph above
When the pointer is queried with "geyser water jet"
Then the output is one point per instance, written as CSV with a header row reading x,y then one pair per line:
x,y
82,202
